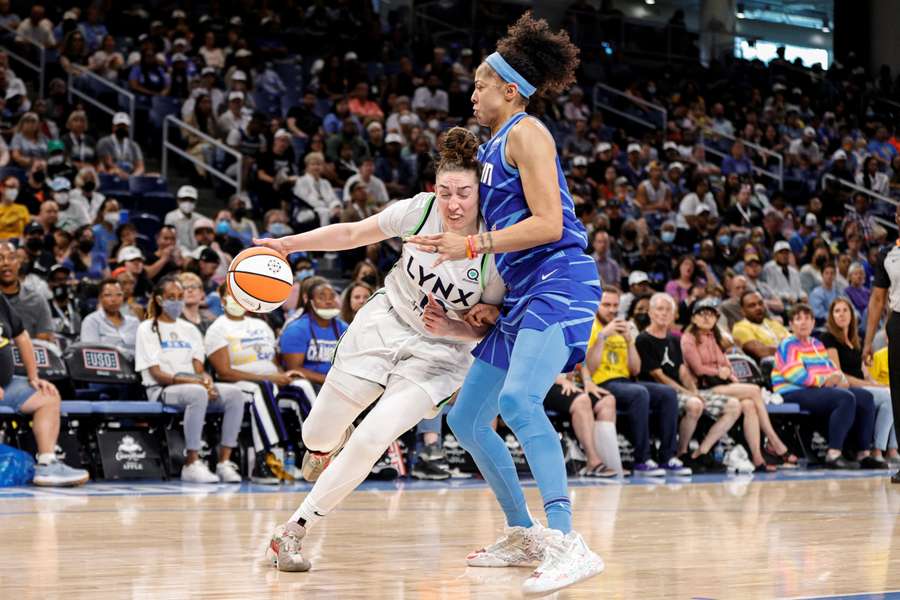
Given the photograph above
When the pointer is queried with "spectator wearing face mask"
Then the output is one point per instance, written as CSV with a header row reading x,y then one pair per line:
x,y
275,224
241,222
64,313
118,155
83,260
80,147
36,251
86,183
132,259
57,163
105,224
73,212
13,216
184,217
35,190
27,304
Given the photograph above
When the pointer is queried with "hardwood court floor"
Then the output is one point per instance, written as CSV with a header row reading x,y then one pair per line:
x,y
772,538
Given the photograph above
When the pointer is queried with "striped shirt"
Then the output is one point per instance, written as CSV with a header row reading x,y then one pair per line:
x,y
800,365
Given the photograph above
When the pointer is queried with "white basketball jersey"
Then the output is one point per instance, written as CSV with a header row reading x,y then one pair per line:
x,y
457,285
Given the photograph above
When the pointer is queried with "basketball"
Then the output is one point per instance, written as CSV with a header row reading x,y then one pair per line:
x,y
260,279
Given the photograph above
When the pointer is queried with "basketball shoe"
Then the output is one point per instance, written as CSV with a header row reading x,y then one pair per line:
x,y
519,547
567,560
284,548
315,462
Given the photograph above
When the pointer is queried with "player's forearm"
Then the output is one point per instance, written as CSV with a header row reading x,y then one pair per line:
x,y
530,233
331,238
873,316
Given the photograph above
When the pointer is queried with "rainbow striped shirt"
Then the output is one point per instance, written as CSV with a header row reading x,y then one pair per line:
x,y
800,365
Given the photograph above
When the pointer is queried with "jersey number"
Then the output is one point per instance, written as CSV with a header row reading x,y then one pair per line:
x,y
486,173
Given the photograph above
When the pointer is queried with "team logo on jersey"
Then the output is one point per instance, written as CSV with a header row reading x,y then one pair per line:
x,y
487,171
472,275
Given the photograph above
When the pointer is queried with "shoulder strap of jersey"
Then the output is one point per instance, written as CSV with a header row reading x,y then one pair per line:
x,y
425,213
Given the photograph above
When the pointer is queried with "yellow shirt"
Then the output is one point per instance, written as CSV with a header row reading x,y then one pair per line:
x,y
769,332
13,219
879,368
614,360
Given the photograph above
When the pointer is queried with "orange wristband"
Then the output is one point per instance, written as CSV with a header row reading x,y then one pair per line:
x,y
470,247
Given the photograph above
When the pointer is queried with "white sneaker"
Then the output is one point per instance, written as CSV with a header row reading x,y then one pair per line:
x,y
198,472
649,468
738,461
228,472
676,468
58,474
567,560
519,547
284,548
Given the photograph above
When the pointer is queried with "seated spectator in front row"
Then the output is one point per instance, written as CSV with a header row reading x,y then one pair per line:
x,y
28,304
170,358
354,297
119,155
841,339
703,348
194,298
756,334
805,375
612,360
108,325
33,396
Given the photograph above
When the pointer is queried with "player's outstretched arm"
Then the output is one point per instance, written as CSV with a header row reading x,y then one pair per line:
x,y
331,238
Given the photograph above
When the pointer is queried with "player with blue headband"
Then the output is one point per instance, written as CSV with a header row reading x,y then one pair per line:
x,y
553,292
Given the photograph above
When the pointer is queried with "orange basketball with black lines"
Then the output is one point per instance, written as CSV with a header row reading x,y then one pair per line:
x,y
260,279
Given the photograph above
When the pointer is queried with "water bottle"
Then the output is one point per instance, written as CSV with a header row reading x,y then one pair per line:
x,y
290,461
719,452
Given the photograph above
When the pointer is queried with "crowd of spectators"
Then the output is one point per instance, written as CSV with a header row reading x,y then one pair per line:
x,y
687,234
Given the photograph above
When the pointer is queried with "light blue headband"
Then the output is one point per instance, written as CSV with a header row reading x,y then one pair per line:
x,y
510,75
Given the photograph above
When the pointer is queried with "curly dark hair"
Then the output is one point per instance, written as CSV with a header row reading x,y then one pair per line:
x,y
459,152
547,59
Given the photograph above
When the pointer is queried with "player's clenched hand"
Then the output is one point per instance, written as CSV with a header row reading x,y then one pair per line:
x,y
435,318
278,245
482,315
447,245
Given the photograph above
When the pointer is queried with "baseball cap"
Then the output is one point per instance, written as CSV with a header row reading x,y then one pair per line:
x,y
810,220
129,253
180,42
34,227
676,165
209,255
282,133
809,131
235,96
621,180
634,148
187,191
670,146
374,125
121,118
839,155
208,71
393,138
243,53
351,55
637,277
204,223
701,208
60,184
239,76
579,161
178,14
179,57
705,304
59,267
779,87
751,257
55,146
465,52
602,147
236,21
781,246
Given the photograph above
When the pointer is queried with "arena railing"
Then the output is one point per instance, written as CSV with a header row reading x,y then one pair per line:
x,y
40,68
601,89
875,196
773,174
94,79
168,146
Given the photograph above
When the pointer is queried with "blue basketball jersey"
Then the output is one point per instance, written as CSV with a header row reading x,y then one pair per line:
x,y
548,284
503,205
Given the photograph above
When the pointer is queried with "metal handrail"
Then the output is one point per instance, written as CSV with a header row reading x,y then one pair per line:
x,y
879,220
85,73
779,176
42,52
167,146
861,189
754,168
598,103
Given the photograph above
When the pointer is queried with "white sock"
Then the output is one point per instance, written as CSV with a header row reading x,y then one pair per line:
x,y
607,444
45,458
309,512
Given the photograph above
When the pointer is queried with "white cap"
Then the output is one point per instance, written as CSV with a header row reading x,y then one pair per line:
x,y
351,56
236,21
15,88
670,145
121,118
781,246
406,120
243,53
465,52
236,95
208,71
239,76
393,138
187,191
178,14
809,131
701,208
634,148
181,41
579,161
810,220
637,277
70,15
374,125
602,147
282,133
129,253
676,165
779,87
179,56
203,223
839,155
796,91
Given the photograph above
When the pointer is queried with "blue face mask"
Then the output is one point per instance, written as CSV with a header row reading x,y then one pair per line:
x,y
280,229
173,308
667,236
725,240
222,227
303,274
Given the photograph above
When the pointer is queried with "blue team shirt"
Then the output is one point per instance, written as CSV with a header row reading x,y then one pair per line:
x,y
297,338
